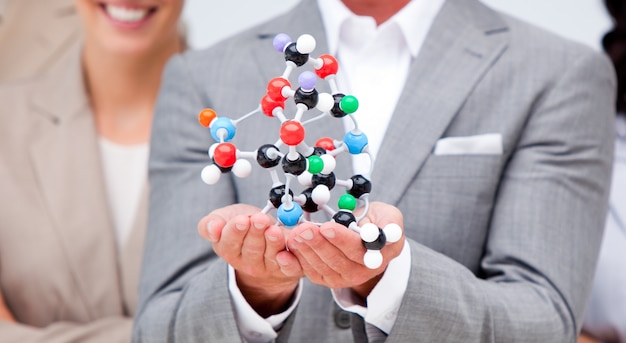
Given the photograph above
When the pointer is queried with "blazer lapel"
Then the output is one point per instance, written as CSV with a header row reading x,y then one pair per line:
x,y
440,79
66,159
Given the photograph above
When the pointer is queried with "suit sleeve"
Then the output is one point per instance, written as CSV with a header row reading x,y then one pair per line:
x,y
184,286
544,234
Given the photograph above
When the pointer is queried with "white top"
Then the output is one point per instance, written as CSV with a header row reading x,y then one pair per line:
x,y
125,174
606,313
374,63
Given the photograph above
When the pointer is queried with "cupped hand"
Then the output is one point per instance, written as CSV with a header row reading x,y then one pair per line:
x,y
332,255
249,241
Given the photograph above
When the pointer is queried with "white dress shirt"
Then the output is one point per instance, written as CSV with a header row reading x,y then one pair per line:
x,y
125,169
374,63
606,313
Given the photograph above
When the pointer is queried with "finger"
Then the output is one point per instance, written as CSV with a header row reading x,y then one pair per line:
x,y
275,243
210,228
289,265
305,239
351,245
254,244
231,241
344,240
342,251
294,251
382,214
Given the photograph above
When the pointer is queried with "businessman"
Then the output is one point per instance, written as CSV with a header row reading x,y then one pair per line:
x,y
493,146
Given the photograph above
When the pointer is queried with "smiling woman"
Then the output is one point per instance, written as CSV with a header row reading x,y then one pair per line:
x,y
71,235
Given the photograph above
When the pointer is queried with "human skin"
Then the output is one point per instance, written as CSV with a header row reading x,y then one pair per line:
x,y
126,46
269,260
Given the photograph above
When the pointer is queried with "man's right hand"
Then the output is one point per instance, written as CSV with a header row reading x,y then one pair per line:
x,y
250,241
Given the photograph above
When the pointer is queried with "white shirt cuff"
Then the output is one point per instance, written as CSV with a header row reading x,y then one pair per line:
x,y
383,302
252,326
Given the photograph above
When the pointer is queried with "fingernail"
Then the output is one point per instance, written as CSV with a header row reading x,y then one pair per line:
x,y
281,261
209,231
328,233
307,234
258,225
271,237
241,227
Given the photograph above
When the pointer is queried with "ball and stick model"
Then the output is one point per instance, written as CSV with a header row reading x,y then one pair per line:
x,y
310,166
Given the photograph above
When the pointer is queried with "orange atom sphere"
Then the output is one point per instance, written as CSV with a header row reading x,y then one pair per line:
x,y
206,116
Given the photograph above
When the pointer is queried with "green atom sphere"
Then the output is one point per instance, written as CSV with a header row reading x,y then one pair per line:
x,y
347,202
349,104
316,164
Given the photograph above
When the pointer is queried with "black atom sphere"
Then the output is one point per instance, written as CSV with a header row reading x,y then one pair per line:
x,y
336,111
378,244
292,54
263,159
327,180
295,167
344,218
276,195
309,205
308,98
360,186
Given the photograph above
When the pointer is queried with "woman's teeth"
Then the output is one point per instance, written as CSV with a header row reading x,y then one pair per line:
x,y
128,15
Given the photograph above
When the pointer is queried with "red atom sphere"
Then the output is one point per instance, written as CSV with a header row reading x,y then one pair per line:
x,y
206,116
329,67
275,88
225,155
292,133
268,105
325,143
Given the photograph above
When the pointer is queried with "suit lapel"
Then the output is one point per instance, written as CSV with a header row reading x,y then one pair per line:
x,y
66,159
65,30
440,79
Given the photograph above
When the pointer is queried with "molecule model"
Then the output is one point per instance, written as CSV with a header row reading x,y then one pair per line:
x,y
312,167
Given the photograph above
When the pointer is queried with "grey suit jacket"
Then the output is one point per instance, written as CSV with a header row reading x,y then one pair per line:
x,y
503,246
61,273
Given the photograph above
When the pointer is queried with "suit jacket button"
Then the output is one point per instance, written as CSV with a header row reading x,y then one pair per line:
x,y
342,319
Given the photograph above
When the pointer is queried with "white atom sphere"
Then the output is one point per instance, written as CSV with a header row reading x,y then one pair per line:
x,y
242,168
320,195
305,179
393,232
212,149
305,44
325,102
210,174
369,232
373,259
329,163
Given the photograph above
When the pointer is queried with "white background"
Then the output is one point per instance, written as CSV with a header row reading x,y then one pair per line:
x,y
581,20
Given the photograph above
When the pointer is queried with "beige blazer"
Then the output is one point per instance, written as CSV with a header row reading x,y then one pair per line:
x,y
35,35
60,272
